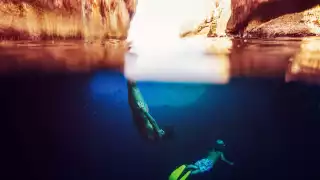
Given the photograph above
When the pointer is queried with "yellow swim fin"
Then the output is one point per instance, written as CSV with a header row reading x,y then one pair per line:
x,y
184,177
177,173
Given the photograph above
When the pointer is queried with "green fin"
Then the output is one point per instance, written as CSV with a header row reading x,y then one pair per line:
x,y
184,177
177,173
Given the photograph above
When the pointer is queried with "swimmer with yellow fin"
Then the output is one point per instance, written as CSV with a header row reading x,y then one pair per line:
x,y
203,165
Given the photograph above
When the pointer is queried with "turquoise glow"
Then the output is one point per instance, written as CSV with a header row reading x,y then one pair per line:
x,y
112,88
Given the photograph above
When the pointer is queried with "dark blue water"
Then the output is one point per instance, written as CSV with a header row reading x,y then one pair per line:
x,y
79,127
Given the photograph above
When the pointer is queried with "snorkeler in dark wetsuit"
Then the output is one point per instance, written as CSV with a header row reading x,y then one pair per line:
x,y
146,124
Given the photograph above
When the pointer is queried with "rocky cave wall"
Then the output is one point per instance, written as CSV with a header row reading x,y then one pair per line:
x,y
52,19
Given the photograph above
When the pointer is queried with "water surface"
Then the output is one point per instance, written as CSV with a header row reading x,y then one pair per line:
x,y
66,115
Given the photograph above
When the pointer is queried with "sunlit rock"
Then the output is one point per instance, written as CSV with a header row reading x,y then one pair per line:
x,y
305,64
52,19
295,25
274,18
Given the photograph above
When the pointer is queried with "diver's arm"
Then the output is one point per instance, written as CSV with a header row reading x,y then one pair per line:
x,y
225,160
152,121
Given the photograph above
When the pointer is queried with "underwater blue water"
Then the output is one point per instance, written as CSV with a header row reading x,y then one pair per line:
x,y
79,127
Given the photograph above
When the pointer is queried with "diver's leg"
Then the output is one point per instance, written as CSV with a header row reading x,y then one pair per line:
x,y
137,99
131,84
152,121
136,96
195,172
191,166
142,105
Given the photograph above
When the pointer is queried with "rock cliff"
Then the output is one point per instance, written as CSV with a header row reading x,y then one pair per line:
x,y
92,19
52,19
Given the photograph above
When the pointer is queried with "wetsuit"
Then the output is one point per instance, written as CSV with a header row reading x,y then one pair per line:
x,y
147,126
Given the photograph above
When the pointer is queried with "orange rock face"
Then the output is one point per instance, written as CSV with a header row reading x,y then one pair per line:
x,y
47,19
246,11
92,19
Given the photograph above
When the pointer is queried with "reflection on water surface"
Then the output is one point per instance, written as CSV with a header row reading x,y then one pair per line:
x,y
295,59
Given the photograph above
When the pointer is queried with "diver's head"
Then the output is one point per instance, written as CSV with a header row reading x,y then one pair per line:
x,y
168,133
220,142
220,145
